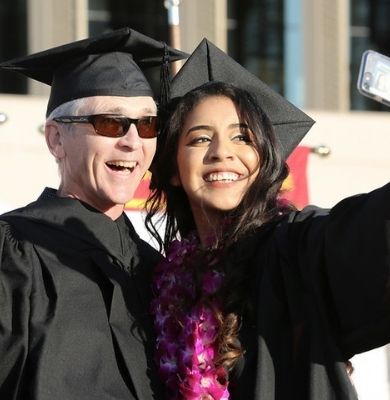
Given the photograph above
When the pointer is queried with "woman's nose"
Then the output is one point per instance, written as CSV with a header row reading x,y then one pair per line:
x,y
220,149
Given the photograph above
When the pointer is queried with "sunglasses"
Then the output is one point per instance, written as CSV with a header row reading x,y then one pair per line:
x,y
115,126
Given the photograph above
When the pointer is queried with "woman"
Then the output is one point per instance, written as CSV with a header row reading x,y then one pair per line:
x,y
257,300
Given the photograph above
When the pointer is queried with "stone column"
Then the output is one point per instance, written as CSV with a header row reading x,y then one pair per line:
x,y
52,23
203,18
326,54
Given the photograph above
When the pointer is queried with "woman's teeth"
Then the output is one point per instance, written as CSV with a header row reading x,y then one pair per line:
x,y
221,177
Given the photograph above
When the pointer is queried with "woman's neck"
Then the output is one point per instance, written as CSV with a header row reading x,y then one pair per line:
x,y
208,226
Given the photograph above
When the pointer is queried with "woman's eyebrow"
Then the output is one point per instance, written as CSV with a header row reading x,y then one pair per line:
x,y
239,125
210,128
198,128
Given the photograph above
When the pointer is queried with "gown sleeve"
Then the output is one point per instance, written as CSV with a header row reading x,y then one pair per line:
x,y
343,259
15,293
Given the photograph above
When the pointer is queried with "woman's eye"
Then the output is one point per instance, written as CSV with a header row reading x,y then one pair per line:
x,y
199,140
243,137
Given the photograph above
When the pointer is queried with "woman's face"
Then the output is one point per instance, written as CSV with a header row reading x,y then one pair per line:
x,y
216,158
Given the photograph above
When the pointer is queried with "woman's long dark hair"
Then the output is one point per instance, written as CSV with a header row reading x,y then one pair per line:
x,y
258,206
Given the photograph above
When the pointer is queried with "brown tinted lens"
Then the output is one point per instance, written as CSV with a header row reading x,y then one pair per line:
x,y
110,126
147,127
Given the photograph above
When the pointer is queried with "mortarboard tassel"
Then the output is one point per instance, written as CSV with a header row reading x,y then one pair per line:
x,y
165,79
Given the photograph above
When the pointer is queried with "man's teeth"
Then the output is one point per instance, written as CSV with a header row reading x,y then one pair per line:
x,y
221,176
122,164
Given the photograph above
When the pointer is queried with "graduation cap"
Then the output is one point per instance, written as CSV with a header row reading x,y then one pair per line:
x,y
106,65
209,63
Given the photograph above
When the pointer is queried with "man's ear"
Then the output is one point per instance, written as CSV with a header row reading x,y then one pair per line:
x,y
175,180
54,140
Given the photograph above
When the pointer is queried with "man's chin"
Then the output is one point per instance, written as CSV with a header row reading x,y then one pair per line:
x,y
122,199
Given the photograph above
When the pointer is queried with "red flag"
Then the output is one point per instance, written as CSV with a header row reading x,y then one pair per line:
x,y
137,203
295,186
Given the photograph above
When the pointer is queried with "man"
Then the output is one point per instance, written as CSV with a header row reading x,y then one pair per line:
x,y
74,275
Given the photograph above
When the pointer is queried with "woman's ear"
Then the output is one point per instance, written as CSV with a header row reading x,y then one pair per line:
x,y
54,140
175,180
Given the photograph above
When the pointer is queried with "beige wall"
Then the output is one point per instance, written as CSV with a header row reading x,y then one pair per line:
x,y
359,159
25,163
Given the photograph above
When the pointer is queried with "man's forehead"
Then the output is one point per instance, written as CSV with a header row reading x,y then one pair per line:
x,y
131,106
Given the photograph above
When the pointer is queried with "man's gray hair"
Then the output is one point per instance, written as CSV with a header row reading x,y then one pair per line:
x,y
70,108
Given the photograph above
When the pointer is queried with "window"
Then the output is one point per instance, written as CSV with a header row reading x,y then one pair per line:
x,y
370,29
255,38
145,16
13,43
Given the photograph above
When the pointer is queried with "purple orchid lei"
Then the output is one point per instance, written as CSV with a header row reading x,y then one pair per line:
x,y
186,325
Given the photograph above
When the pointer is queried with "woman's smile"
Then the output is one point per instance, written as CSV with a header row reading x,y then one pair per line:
x,y
223,177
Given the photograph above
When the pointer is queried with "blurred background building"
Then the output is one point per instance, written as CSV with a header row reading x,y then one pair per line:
x,y
307,50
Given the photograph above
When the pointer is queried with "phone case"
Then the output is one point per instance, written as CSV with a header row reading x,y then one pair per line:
x,y
374,76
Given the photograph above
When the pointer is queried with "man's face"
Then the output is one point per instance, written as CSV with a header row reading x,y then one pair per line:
x,y
103,171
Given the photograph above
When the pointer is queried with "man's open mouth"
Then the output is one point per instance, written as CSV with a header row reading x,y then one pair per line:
x,y
121,165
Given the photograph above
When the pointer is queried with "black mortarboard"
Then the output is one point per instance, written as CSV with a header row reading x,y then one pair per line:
x,y
106,65
208,63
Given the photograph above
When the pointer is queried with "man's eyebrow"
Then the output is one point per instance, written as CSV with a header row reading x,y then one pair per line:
x,y
148,110
121,110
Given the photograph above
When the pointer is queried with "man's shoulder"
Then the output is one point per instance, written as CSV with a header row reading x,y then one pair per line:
x,y
48,194
14,225
14,216
19,218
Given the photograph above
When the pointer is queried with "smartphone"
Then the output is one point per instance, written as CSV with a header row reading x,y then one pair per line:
x,y
374,76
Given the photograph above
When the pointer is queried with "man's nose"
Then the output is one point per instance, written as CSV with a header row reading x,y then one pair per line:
x,y
131,139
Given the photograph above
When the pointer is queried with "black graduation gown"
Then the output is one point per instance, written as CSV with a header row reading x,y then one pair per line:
x,y
74,305
319,284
